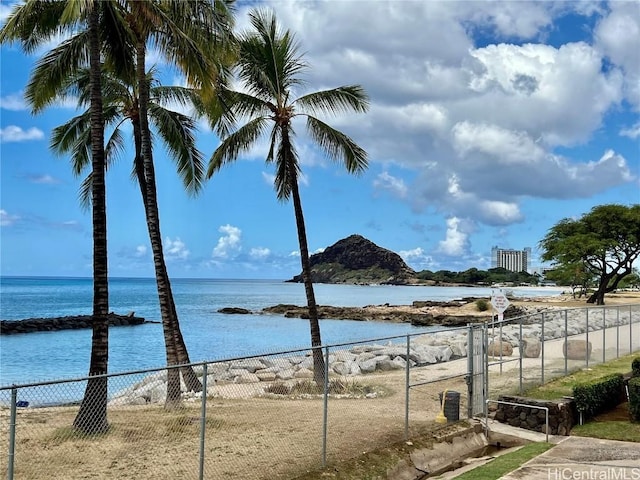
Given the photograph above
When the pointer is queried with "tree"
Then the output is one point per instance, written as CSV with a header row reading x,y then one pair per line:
x,y
605,241
177,131
269,67
195,36
196,47
574,275
89,22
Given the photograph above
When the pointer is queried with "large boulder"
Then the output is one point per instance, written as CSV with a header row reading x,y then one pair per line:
x,y
530,347
499,348
576,349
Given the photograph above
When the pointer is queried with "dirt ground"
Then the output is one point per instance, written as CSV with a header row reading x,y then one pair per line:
x,y
246,438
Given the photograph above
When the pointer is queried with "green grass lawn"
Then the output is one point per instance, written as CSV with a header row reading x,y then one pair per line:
x,y
506,463
610,430
563,386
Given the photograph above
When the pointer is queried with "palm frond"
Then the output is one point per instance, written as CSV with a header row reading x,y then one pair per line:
x,y
116,34
337,100
238,142
178,133
269,62
33,23
337,145
72,137
245,105
85,192
115,147
51,73
276,136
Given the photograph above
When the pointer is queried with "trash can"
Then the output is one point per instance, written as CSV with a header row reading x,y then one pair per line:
x,y
451,405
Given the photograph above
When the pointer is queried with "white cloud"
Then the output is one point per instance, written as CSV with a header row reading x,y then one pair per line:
x,y
44,179
417,258
174,249
618,36
391,184
13,133
259,253
456,242
141,251
229,243
295,253
13,102
537,88
631,132
7,220
505,146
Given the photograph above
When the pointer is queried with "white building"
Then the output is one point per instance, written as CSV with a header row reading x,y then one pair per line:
x,y
513,260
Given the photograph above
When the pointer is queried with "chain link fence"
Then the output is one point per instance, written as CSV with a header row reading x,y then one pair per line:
x,y
556,342
265,417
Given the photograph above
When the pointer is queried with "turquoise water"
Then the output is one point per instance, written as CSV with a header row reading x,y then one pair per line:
x,y
209,335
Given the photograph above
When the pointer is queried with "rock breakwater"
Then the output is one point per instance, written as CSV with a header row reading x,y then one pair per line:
x,y
29,325
252,376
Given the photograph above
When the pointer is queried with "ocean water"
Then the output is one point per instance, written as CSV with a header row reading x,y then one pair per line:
x,y
34,357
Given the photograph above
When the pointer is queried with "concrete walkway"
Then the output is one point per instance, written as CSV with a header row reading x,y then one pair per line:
x,y
583,458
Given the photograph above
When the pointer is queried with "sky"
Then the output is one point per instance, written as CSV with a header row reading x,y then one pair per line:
x,y
489,122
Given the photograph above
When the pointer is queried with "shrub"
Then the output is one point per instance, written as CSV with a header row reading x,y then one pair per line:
x,y
598,395
635,367
634,399
482,305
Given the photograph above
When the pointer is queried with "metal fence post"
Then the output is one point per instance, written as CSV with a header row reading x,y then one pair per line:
x,y
12,433
604,336
630,331
587,343
566,339
325,413
542,351
500,348
203,419
617,332
470,371
520,349
485,351
406,390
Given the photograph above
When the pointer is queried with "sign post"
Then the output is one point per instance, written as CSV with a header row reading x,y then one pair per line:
x,y
500,303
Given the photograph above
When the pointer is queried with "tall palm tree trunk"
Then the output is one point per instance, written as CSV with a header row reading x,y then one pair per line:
x,y
174,343
316,341
92,416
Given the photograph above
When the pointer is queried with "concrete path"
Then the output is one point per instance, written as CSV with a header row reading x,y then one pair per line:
x,y
583,458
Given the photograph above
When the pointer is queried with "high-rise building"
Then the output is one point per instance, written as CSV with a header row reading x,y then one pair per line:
x,y
513,260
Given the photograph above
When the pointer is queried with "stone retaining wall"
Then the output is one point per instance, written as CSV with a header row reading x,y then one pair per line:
x,y
562,414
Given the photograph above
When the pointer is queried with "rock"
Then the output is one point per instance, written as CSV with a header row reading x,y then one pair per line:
x,y
73,322
234,311
530,347
576,349
303,373
500,347
247,377
249,364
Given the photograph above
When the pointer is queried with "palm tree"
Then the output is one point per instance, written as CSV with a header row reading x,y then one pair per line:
x,y
269,67
177,132
197,37
91,22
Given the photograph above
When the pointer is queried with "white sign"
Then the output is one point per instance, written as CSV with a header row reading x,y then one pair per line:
x,y
500,302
